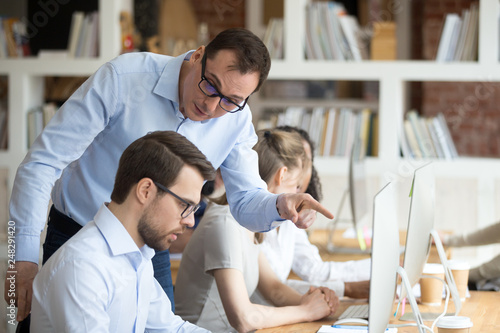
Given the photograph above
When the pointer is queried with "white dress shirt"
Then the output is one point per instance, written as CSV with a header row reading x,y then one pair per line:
x,y
77,154
100,281
289,249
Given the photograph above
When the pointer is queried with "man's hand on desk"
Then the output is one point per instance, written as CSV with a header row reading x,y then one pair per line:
x,y
357,289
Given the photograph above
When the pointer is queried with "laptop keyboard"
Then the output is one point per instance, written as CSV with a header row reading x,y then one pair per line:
x,y
355,311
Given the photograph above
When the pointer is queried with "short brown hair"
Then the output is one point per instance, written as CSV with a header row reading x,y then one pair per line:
x,y
160,156
251,53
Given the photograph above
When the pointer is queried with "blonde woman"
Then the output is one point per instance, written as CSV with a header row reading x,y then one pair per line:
x,y
222,266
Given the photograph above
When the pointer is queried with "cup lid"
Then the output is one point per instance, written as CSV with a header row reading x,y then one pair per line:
x,y
433,269
458,264
454,322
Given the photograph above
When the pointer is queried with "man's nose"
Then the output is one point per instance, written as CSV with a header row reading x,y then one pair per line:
x,y
188,221
212,103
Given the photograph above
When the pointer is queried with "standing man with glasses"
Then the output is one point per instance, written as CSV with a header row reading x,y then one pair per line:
x,y
102,279
201,94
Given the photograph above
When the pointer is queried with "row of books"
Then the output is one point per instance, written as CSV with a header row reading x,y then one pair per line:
x,y
83,41
333,130
332,34
13,38
427,137
84,35
459,36
38,118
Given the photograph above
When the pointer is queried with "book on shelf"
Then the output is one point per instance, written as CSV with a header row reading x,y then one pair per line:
x,y
273,38
74,32
84,35
459,36
332,34
332,130
426,137
13,38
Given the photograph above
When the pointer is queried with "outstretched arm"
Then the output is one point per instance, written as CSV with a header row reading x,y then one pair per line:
x,y
300,208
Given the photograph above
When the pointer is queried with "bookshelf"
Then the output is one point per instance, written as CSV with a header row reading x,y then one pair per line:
x,y
26,81
467,189
26,90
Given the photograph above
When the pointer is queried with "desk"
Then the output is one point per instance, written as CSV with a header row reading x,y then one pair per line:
x,y
482,307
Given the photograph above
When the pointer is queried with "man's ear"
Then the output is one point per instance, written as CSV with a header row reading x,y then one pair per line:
x,y
145,190
280,175
197,55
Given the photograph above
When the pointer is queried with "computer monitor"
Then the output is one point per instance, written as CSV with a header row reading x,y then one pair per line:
x,y
358,199
420,224
385,261
421,230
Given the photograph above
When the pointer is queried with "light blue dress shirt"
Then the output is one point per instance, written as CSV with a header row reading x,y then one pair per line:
x,y
100,281
76,156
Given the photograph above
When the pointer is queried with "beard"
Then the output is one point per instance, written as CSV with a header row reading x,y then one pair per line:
x,y
152,237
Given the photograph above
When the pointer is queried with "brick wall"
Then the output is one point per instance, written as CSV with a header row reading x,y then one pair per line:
x,y
220,14
471,108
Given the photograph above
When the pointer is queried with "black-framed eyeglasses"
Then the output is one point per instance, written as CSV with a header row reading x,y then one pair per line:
x,y
209,90
190,208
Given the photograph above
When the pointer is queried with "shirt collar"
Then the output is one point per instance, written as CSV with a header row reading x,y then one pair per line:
x,y
117,237
166,86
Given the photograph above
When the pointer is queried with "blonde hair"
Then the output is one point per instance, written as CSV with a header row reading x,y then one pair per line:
x,y
277,148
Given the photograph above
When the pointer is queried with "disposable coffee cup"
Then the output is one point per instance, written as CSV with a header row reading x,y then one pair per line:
x,y
460,270
454,324
431,290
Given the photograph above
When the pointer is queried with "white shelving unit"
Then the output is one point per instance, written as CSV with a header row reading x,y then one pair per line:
x,y
472,181
26,81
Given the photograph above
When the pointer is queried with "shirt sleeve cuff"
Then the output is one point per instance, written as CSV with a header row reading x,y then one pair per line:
x,y
272,213
27,248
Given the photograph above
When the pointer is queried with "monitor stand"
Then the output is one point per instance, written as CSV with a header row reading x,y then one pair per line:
x,y
447,272
413,302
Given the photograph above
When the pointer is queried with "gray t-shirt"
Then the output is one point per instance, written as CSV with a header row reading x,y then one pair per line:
x,y
218,242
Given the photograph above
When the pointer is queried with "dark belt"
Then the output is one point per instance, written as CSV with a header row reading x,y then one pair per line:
x,y
63,223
